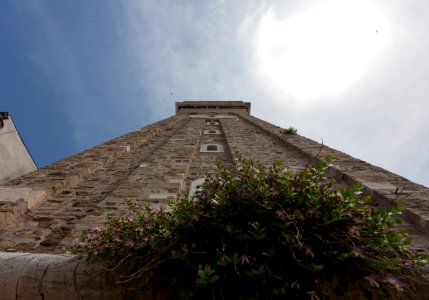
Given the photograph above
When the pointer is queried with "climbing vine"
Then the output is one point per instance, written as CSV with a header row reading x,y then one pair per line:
x,y
261,232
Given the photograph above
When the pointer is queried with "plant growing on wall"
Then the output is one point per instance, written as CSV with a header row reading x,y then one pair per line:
x,y
290,130
262,232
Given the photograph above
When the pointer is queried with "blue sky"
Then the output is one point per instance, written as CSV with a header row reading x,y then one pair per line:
x,y
352,73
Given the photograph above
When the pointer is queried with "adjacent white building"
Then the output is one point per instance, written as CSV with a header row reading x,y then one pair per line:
x,y
15,160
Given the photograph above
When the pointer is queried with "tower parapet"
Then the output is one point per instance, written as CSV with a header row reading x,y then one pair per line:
x,y
212,107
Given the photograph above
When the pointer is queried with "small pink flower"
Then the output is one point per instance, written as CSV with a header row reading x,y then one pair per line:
x,y
408,263
116,238
96,228
280,214
358,251
313,295
244,259
202,195
374,280
354,230
295,285
398,285
309,251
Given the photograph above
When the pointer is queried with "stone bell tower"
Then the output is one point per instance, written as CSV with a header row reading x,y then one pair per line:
x,y
44,211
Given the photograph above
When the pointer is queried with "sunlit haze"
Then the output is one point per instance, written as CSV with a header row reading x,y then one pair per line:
x,y
321,49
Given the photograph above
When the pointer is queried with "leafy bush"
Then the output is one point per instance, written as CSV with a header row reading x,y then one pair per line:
x,y
262,232
290,130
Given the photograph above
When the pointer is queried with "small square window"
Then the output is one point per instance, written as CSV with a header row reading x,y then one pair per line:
x,y
212,131
212,123
212,148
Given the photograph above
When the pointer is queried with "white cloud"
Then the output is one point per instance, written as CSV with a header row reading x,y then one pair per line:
x,y
383,117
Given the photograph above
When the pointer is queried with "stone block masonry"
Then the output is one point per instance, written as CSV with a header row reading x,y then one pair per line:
x,y
384,187
46,210
47,276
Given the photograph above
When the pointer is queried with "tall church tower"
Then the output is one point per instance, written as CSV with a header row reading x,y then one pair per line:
x,y
44,211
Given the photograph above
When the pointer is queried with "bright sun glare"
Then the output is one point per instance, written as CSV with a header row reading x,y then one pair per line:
x,y
321,50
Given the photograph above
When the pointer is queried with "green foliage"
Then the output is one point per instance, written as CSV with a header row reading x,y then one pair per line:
x,y
262,232
290,130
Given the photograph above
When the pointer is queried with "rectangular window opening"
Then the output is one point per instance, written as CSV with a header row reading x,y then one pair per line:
x,y
212,148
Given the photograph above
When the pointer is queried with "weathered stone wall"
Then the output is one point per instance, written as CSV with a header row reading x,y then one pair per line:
x,y
71,189
46,210
384,187
150,165
51,277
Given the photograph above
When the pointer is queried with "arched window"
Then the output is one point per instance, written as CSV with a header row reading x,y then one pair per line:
x,y
196,186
